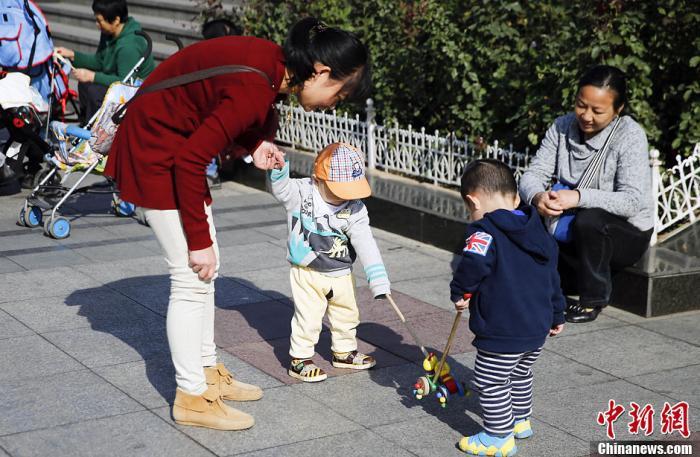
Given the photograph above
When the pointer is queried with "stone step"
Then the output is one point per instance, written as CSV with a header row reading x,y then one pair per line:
x,y
84,40
665,280
157,26
182,10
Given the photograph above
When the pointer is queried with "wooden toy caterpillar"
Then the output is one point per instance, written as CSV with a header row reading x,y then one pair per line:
x,y
443,386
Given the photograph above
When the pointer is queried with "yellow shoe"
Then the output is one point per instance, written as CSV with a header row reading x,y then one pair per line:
x,y
484,444
522,429
229,388
207,410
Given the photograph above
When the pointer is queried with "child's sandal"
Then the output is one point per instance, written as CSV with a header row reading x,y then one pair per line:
x,y
353,360
306,370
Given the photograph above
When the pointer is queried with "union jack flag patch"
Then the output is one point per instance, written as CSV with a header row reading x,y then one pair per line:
x,y
478,243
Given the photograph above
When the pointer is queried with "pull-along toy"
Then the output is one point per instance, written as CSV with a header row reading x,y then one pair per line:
x,y
437,378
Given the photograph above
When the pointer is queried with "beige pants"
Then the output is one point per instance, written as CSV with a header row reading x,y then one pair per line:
x,y
315,295
190,319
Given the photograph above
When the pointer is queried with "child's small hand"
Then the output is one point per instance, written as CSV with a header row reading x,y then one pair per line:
x,y
462,304
556,330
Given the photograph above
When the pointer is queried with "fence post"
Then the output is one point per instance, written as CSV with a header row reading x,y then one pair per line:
x,y
656,189
371,145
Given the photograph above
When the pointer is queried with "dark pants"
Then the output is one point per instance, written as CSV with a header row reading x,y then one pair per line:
x,y
603,243
90,96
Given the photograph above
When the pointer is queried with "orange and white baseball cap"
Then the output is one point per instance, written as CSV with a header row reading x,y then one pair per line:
x,y
342,167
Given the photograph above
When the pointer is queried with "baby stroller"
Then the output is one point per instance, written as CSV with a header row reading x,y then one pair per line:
x,y
81,150
27,48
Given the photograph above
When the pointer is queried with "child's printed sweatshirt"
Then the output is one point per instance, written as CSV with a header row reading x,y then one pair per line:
x,y
325,238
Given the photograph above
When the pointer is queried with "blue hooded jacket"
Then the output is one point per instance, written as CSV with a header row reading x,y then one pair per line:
x,y
509,265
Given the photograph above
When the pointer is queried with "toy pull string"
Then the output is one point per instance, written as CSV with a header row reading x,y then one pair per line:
x,y
408,327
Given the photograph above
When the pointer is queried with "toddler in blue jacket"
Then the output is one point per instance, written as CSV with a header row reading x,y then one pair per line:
x,y
509,265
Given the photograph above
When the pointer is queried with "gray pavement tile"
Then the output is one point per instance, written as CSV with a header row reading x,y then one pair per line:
x,y
254,256
385,395
51,259
153,292
102,309
8,266
360,443
685,326
622,315
448,427
11,327
421,265
31,356
127,269
96,347
125,250
54,282
252,322
681,384
278,422
626,351
47,401
272,282
434,290
575,409
133,229
135,434
238,237
3,453
277,232
29,239
91,234
602,322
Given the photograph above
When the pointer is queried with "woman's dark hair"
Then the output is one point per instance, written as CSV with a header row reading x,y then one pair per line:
x,y
220,27
607,77
310,41
111,9
490,176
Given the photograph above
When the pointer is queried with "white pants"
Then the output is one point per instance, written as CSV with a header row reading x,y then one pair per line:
x,y
190,320
316,295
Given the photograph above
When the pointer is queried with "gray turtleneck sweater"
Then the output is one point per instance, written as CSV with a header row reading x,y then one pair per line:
x,y
623,187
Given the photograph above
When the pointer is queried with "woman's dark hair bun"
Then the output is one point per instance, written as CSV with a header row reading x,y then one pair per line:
x,y
310,41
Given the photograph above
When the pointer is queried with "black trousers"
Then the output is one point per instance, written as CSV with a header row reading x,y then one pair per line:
x,y
603,243
90,96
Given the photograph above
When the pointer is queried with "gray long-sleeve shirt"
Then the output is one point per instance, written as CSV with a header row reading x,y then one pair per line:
x,y
328,239
623,186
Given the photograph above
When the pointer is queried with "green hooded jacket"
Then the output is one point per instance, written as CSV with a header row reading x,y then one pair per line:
x,y
115,57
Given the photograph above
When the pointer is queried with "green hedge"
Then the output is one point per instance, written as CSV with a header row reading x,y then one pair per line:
x,y
505,70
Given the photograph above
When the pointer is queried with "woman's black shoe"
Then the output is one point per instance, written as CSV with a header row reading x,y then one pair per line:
x,y
575,313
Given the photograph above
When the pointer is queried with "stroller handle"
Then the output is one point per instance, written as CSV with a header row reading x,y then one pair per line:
x,y
175,40
149,43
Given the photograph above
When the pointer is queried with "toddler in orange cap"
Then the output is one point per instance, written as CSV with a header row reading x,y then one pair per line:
x,y
328,228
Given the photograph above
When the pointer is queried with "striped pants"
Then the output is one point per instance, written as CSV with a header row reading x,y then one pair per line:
x,y
504,384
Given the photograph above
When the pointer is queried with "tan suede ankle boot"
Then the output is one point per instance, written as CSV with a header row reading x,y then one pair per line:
x,y
219,377
207,410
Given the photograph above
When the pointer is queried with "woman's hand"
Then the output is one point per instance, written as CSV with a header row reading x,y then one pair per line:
x,y
548,203
65,52
268,156
203,262
567,198
83,75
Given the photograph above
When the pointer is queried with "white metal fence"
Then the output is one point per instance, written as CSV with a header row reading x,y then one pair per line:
x,y
440,158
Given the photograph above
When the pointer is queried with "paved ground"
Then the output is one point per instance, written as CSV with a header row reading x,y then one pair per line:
x,y
85,370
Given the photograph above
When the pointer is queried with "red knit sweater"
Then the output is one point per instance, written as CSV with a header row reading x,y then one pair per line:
x,y
168,137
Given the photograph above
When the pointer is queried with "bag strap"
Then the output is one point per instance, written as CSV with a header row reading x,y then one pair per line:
x,y
187,78
593,168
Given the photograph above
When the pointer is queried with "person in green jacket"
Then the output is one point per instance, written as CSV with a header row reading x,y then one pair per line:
x,y
119,50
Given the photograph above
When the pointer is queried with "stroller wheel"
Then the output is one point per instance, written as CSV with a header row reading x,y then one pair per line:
x,y
58,228
20,218
32,216
123,209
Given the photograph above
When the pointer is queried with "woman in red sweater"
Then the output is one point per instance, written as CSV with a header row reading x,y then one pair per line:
x,y
159,156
